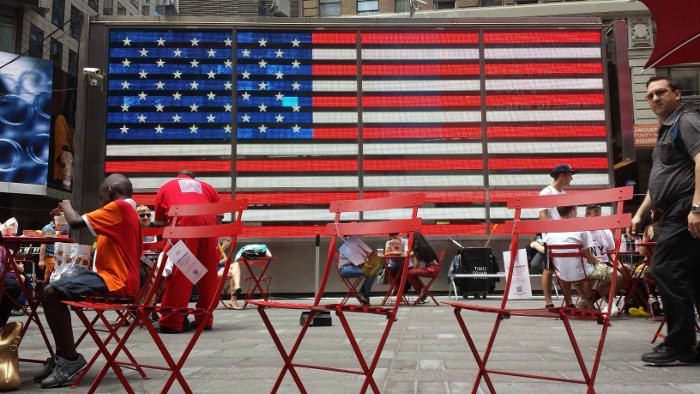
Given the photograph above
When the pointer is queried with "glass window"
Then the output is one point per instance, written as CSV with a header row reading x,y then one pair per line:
x,y
36,42
72,63
76,22
688,78
56,53
145,9
108,8
7,34
58,9
367,6
401,6
94,4
491,3
444,4
121,10
330,8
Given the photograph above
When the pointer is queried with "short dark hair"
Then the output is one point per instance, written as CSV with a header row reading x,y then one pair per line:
x,y
566,210
671,83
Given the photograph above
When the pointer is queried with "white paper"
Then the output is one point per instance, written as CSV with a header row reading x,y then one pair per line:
x,y
186,262
355,250
520,282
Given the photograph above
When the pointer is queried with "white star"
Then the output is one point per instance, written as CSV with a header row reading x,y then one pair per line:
x,y
125,108
245,74
245,53
211,118
296,128
211,95
159,129
125,85
194,63
193,107
177,52
126,63
211,74
279,74
194,129
176,96
194,85
142,118
143,74
124,129
279,53
296,86
143,52
228,42
127,42
262,63
295,64
279,118
159,107
159,85
263,107
142,96
227,129
228,63
263,42
262,128
176,118
211,53
227,107
160,63
246,96
227,85
295,42
161,42
195,42
177,74
279,96
262,85
245,118
295,108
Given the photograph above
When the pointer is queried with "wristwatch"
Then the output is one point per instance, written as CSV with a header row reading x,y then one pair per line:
x,y
695,208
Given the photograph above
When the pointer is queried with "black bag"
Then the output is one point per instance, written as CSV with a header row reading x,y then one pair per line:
x,y
475,261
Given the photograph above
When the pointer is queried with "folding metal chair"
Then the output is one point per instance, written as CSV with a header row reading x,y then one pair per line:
x,y
425,290
393,281
339,228
352,283
518,227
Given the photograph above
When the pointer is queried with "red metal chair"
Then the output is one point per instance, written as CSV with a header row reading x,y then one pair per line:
x,y
352,283
519,227
393,283
425,290
337,229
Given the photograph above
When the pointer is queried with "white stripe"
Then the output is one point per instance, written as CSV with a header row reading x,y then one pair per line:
x,y
423,181
548,147
542,53
322,215
545,84
335,117
275,215
439,148
169,150
268,149
545,116
515,180
418,86
222,182
295,182
505,213
333,54
429,213
334,86
421,117
420,54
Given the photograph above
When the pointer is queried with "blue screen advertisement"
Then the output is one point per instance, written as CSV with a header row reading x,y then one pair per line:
x,y
25,119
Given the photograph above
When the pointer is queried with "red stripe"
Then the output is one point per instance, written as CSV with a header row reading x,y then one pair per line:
x,y
333,38
535,37
207,166
544,100
423,69
421,101
547,163
312,231
547,132
298,198
422,164
335,102
370,133
334,69
419,38
543,68
319,165
338,133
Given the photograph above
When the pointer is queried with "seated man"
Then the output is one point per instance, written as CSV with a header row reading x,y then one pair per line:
x,y
118,232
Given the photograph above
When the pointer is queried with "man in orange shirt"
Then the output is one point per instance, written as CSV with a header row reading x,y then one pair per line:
x,y
118,232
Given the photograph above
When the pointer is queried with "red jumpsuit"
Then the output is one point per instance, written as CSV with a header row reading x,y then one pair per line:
x,y
186,190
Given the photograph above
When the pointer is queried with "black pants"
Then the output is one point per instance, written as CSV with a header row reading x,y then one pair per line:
x,y
11,292
676,269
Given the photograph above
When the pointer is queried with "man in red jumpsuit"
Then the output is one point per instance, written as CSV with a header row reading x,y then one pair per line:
x,y
186,190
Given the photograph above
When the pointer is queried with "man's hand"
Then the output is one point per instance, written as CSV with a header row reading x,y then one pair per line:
x,y
694,224
42,264
635,226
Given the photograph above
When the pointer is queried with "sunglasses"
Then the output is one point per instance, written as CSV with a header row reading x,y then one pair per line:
x,y
145,215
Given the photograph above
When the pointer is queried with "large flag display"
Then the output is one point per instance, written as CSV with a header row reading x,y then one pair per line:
x,y
296,119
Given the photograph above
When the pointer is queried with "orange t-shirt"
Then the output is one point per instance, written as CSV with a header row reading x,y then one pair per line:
x,y
118,232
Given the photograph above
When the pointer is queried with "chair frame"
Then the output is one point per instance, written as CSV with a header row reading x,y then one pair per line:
x,y
351,282
517,227
425,290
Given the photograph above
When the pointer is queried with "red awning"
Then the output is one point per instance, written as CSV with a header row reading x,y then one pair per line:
x,y
677,32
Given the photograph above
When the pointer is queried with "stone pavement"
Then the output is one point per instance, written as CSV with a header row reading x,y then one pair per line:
x,y
425,353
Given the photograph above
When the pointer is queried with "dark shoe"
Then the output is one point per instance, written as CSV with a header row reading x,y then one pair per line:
x,y
195,324
165,330
664,354
571,306
363,299
48,368
423,299
64,372
549,306
693,358
186,325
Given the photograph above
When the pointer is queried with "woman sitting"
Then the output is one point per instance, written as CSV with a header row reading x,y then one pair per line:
x,y
425,264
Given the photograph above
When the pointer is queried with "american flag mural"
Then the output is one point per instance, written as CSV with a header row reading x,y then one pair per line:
x,y
295,119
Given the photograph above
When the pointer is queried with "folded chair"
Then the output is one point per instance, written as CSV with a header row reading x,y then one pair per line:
x,y
425,290
352,283
340,228
518,227
142,312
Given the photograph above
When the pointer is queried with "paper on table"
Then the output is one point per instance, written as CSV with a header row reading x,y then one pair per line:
x,y
186,262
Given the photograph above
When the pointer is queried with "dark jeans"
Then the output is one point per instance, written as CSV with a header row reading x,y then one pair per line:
x,y
676,269
12,291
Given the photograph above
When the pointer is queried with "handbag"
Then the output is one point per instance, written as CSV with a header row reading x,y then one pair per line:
x,y
9,359
372,265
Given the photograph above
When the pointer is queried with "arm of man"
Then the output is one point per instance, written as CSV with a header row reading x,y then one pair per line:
x,y
694,218
42,256
590,257
543,214
75,221
644,210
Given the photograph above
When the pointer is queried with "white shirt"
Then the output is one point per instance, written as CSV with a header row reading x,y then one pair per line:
x,y
603,241
570,268
552,213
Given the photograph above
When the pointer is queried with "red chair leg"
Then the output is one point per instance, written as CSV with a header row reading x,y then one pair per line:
x,y
658,333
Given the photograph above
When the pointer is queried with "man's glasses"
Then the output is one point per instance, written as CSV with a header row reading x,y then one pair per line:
x,y
657,93
145,215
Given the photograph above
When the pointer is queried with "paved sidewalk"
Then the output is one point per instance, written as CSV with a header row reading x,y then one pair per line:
x,y
425,353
